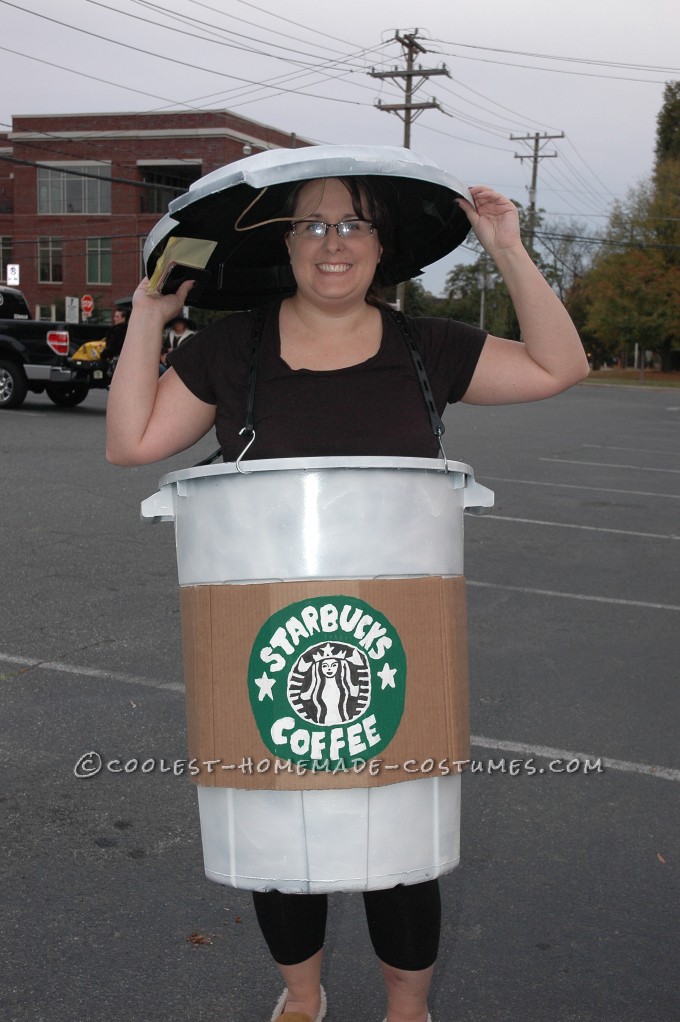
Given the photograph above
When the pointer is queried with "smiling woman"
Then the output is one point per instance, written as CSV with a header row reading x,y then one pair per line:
x,y
324,369
335,270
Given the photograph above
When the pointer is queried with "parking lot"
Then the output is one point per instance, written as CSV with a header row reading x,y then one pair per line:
x,y
565,906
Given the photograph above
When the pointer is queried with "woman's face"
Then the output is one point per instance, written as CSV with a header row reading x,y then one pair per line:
x,y
331,269
329,668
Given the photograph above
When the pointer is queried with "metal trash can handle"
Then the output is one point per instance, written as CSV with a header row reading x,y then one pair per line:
x,y
477,498
159,507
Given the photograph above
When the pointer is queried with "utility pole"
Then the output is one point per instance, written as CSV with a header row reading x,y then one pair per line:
x,y
408,110
538,139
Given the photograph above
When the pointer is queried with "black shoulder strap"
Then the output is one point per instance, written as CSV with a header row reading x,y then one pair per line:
x,y
405,330
256,339
249,425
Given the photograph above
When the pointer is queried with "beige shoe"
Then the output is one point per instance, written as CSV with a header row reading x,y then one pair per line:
x,y
297,1016
429,1019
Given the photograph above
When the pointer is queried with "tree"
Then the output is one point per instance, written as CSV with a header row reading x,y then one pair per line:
x,y
632,293
416,298
567,254
578,306
634,298
668,125
463,293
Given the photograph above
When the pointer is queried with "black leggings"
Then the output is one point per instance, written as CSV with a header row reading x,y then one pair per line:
x,y
403,923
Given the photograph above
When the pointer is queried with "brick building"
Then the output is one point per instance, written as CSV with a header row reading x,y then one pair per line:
x,y
80,192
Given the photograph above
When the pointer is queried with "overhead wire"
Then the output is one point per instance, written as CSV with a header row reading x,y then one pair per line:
x,y
661,70
233,43
520,118
458,138
346,64
563,195
177,61
563,184
280,17
233,17
516,122
590,169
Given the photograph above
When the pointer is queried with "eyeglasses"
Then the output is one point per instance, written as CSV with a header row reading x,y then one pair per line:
x,y
319,229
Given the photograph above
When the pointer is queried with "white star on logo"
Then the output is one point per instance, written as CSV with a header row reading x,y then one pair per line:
x,y
387,675
265,685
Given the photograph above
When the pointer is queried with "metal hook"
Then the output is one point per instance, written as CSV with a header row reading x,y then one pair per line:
x,y
245,449
443,452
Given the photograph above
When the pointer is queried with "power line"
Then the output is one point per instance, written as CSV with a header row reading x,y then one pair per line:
x,y
521,117
561,59
84,173
272,14
609,242
254,24
585,194
187,20
470,141
176,60
590,170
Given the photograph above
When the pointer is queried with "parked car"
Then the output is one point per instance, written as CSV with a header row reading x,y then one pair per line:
x,y
39,356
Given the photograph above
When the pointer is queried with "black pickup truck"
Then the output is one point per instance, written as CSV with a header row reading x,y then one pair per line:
x,y
37,355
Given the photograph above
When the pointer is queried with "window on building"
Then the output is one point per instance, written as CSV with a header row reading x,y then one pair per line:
x,y
77,188
167,181
99,261
50,261
6,250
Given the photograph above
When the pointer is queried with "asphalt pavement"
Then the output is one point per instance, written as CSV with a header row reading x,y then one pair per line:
x,y
565,906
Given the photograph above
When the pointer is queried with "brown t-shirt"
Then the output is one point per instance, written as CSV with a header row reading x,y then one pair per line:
x,y
374,408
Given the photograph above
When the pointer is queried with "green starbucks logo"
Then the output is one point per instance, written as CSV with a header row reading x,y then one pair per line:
x,y
327,680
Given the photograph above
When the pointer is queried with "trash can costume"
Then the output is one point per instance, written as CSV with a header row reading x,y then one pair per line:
x,y
322,596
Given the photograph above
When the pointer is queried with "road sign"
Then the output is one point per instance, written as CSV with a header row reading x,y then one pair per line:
x,y
72,309
87,305
13,274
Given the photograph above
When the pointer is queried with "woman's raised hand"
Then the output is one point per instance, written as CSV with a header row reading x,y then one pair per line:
x,y
166,306
493,218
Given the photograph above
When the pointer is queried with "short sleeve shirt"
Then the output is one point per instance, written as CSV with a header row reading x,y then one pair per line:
x,y
374,408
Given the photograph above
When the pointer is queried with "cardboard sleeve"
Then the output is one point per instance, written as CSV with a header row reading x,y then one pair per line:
x,y
219,626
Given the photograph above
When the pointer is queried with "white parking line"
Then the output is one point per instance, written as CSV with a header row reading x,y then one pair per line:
x,y
574,486
573,596
609,464
88,672
570,525
632,450
547,752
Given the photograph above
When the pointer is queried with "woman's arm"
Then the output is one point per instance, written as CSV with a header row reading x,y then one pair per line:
x,y
551,357
149,418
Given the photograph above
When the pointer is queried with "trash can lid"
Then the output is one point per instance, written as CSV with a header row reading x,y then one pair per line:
x,y
251,266
453,470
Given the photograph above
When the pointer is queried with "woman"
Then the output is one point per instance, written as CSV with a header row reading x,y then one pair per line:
x,y
335,378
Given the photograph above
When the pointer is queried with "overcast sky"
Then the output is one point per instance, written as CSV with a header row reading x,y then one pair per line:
x,y
593,69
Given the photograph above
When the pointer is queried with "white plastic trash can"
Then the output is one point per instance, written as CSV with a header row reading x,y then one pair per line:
x,y
317,520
